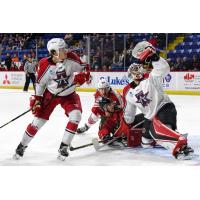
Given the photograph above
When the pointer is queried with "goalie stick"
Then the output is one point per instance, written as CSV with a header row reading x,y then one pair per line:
x,y
98,147
30,109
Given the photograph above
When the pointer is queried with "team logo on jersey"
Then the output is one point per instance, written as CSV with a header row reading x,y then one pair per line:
x,y
62,79
142,98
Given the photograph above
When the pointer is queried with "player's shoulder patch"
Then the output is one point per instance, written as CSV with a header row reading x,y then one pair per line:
x,y
74,57
43,61
43,66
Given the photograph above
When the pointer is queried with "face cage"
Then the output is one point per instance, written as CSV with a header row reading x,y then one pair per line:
x,y
137,76
137,73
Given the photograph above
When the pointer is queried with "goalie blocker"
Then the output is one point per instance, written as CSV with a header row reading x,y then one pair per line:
x,y
134,137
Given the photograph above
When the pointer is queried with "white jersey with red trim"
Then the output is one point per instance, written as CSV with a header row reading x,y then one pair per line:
x,y
148,96
55,77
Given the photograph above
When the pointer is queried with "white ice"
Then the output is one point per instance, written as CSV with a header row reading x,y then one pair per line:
x,y
43,149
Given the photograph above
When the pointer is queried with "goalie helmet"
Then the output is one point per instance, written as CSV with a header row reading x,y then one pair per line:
x,y
140,47
56,44
136,71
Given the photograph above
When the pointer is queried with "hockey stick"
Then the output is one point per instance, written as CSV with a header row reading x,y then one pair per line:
x,y
30,109
71,148
98,147
95,140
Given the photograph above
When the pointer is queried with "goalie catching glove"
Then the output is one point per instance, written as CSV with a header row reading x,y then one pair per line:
x,y
35,104
144,51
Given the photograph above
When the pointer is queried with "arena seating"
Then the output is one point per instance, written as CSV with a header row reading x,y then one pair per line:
x,y
189,47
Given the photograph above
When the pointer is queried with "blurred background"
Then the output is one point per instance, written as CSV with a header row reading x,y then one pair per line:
x,y
104,51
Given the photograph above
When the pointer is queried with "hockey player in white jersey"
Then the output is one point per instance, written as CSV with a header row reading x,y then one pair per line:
x,y
159,111
55,85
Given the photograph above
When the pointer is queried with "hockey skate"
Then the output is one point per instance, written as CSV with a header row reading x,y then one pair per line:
x,y
63,153
185,153
82,129
19,152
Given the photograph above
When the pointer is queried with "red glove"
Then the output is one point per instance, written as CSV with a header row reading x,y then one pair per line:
x,y
88,77
148,52
123,129
35,104
82,77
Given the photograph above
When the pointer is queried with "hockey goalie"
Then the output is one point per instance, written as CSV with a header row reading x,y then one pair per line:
x,y
146,94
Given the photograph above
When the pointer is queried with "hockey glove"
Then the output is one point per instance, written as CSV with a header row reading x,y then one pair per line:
x,y
82,129
106,138
123,129
35,104
81,78
148,52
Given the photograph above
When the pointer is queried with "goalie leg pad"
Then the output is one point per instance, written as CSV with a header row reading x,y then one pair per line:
x,y
166,137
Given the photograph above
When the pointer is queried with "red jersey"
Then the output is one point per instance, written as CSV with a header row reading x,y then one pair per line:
x,y
98,112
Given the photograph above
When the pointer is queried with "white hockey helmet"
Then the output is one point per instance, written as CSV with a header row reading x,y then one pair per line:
x,y
103,84
140,47
136,71
56,44
103,87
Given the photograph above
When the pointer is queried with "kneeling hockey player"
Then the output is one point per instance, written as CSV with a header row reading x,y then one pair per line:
x,y
108,108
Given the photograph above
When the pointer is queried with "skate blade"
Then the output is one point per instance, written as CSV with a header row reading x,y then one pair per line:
x,y
16,157
61,158
188,157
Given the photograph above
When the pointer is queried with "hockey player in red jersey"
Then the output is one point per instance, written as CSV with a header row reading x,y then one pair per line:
x,y
108,108
159,111
55,73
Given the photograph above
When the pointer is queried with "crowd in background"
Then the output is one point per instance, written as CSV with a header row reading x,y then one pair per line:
x,y
13,63
108,52
185,64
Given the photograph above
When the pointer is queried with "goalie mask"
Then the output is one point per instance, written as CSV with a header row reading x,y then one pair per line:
x,y
136,71
103,87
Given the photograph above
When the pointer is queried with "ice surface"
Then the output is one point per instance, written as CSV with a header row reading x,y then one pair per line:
x,y
43,148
